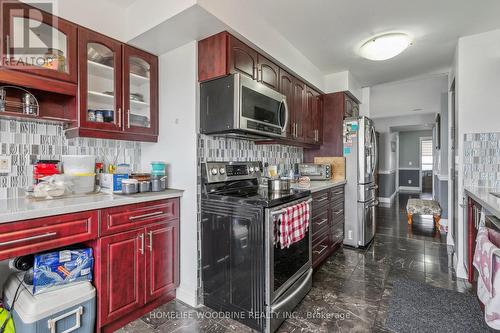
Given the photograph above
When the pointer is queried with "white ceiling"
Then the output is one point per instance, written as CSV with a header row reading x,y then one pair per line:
x,y
329,31
123,3
408,98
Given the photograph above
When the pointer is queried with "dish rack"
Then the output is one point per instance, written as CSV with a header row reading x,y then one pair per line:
x,y
18,100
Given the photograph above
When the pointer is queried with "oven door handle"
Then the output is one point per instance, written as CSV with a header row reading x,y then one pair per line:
x,y
295,293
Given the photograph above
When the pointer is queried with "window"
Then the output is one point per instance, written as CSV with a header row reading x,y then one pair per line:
x,y
426,154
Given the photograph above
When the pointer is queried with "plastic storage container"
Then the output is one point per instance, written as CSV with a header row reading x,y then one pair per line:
x,y
83,183
158,169
78,164
69,309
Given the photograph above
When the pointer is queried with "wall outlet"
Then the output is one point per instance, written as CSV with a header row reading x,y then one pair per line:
x,y
5,164
349,234
410,163
409,181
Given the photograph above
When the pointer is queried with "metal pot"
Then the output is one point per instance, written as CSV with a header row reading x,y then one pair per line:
x,y
278,185
144,186
158,184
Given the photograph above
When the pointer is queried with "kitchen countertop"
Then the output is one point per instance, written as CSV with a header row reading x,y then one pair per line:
x,y
482,196
19,209
319,185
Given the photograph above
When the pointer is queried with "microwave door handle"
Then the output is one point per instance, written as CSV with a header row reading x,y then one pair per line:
x,y
285,106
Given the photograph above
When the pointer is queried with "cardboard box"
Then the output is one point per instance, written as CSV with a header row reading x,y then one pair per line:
x,y
111,182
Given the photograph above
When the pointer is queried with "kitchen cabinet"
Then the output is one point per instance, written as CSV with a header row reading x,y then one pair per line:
x,y
286,88
118,90
121,288
327,223
140,82
312,120
223,54
473,220
268,72
55,57
335,107
100,82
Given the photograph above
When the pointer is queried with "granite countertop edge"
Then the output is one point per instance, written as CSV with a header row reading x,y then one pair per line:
x,y
317,186
20,209
482,196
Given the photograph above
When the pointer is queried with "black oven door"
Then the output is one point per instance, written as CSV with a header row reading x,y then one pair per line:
x,y
285,265
262,109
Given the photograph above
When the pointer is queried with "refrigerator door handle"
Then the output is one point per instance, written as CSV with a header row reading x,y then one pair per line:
x,y
375,157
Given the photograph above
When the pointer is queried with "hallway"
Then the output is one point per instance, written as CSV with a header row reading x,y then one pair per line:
x,y
351,291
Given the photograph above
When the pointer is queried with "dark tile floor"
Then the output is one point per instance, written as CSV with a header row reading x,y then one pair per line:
x,y
351,291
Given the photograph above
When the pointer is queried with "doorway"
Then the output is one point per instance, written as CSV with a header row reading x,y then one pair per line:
x,y
426,164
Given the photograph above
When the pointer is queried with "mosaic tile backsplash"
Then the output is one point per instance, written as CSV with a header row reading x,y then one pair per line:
x,y
28,141
482,160
235,150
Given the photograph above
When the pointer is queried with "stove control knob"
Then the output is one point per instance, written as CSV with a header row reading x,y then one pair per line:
x,y
257,169
214,171
251,169
222,171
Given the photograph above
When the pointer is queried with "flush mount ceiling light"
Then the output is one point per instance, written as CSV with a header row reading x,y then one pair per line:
x,y
386,46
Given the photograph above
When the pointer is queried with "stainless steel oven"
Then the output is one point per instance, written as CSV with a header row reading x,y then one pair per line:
x,y
288,271
236,105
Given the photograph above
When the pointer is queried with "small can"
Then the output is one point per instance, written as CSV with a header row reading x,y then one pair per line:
x,y
91,115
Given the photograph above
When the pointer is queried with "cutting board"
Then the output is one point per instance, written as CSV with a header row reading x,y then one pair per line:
x,y
337,163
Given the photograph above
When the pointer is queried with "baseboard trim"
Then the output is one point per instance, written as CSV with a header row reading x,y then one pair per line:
x,y
412,189
388,200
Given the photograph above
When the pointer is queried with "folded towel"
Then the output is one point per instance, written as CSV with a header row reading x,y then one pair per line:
x,y
294,224
487,262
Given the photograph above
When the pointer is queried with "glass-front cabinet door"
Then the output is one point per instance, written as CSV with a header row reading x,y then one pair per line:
x,y
37,42
140,81
100,82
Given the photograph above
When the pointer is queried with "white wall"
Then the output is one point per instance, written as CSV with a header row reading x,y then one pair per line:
x,y
477,74
343,81
177,146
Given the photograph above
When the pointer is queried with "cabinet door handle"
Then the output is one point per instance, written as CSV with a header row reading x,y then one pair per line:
x,y
324,247
15,241
120,117
322,199
141,248
322,222
150,246
128,118
339,212
222,259
137,217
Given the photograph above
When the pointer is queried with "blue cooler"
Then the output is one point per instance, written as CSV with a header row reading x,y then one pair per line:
x,y
71,308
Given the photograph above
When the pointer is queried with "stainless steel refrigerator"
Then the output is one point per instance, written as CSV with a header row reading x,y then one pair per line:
x,y
360,152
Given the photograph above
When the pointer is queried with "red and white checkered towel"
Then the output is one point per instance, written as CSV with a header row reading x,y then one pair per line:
x,y
293,224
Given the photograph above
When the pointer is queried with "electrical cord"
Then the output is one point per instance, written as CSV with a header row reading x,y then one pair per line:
x,y
14,299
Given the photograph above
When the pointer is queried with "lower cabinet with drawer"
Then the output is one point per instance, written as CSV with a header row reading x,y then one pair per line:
x,y
136,261
327,223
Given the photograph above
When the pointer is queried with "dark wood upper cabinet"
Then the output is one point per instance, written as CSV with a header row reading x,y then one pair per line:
x,y
313,117
299,108
140,91
351,107
268,73
100,81
286,88
53,55
242,58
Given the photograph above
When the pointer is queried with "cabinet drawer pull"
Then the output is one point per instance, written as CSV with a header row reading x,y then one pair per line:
x,y
322,222
15,241
137,217
338,193
141,249
324,247
322,199
150,246
339,212
222,259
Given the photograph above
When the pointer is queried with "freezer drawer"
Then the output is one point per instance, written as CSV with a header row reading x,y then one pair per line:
x,y
366,213
367,192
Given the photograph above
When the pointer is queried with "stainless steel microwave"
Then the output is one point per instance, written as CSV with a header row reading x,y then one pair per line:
x,y
316,171
236,105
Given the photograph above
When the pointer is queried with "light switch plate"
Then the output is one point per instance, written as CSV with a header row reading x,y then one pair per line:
x,y
5,164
